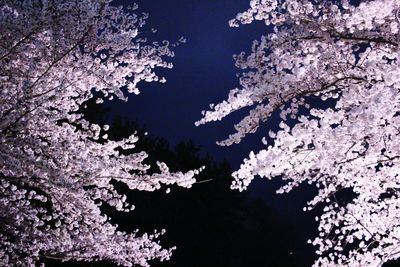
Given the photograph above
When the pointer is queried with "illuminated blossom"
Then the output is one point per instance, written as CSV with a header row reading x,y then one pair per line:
x,y
56,167
348,56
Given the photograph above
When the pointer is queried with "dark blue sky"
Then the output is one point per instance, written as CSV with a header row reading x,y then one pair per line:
x,y
203,72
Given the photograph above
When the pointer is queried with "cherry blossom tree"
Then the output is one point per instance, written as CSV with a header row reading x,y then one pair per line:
x,y
346,55
56,168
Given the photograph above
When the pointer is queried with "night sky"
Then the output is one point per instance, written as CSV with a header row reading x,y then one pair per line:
x,y
203,73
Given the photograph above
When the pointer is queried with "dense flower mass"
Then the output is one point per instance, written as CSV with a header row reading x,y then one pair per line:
x,y
56,167
346,55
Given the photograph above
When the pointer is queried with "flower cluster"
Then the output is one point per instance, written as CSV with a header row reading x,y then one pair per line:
x,y
56,167
348,56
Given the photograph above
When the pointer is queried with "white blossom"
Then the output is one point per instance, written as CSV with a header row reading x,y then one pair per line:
x,y
348,55
54,175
